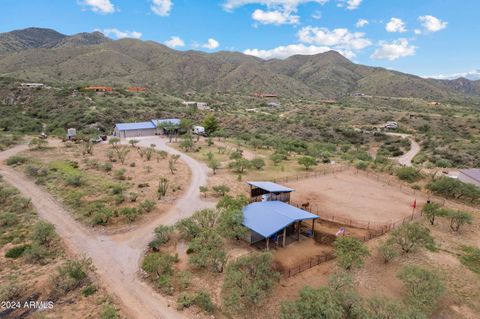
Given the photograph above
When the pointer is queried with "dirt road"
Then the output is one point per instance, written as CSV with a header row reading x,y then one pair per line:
x,y
116,257
406,159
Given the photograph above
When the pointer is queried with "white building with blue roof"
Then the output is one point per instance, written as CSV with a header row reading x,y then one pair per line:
x,y
139,129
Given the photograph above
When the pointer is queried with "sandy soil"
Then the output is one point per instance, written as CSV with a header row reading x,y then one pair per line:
x,y
351,196
116,257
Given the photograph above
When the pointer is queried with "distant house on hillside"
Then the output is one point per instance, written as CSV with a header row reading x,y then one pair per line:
x,y
150,128
265,95
32,85
359,94
199,105
98,88
471,176
273,104
134,89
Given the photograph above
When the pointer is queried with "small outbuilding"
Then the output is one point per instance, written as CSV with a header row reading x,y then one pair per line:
x,y
137,129
269,191
274,222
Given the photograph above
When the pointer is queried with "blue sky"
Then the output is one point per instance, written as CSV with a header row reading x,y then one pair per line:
x,y
427,37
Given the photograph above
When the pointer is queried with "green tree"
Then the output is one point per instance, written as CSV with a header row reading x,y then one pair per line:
x,y
210,123
350,252
187,143
307,161
411,236
248,280
424,287
313,303
458,218
221,190
214,164
277,158
43,233
207,251
388,251
257,163
431,211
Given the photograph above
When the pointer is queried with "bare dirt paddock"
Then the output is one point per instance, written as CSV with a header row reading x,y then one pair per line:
x,y
354,196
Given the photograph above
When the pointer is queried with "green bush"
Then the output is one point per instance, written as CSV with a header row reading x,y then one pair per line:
x,y
71,275
75,180
16,160
471,258
350,252
109,312
388,251
36,253
102,216
107,167
8,219
120,174
409,237
43,233
147,206
89,290
131,213
409,174
16,252
361,165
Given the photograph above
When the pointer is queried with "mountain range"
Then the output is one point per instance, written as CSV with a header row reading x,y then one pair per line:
x,y
45,55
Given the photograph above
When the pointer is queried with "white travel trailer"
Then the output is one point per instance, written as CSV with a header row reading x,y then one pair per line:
x,y
199,130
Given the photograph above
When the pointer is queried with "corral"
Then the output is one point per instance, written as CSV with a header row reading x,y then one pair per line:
x,y
353,198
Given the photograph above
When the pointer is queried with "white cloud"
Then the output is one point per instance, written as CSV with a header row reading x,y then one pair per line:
x,y
283,52
361,23
175,42
431,23
99,6
471,75
117,34
349,4
161,7
417,31
396,25
275,17
394,50
211,44
337,38
230,5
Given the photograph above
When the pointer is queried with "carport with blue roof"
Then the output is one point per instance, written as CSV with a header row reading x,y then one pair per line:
x,y
274,219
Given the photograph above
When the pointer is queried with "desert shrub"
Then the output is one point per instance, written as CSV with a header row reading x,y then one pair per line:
x,y
107,167
16,252
11,291
8,219
470,257
120,174
75,180
102,216
89,290
444,163
424,287
454,188
36,253
43,233
160,269
388,251
221,190
409,237
248,280
409,174
361,165
16,160
313,303
162,236
132,196
185,300
131,213
109,312
184,279
204,302
147,206
119,199
71,275
116,189
350,252
307,162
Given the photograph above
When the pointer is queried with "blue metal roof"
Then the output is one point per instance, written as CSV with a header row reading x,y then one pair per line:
x,y
134,126
268,218
271,187
158,122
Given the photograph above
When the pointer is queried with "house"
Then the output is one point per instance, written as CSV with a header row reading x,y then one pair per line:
x,y
98,88
32,85
471,176
274,221
190,103
128,130
134,89
198,105
273,104
199,130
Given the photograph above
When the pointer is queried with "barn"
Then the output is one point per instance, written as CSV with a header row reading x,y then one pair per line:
x,y
138,129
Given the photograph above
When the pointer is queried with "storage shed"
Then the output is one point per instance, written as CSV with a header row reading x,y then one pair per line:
x,y
268,191
138,129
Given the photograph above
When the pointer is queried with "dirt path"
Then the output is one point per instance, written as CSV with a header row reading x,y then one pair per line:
x,y
406,159
116,257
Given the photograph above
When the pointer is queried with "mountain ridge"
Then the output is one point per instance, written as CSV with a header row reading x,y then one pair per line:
x,y
37,54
